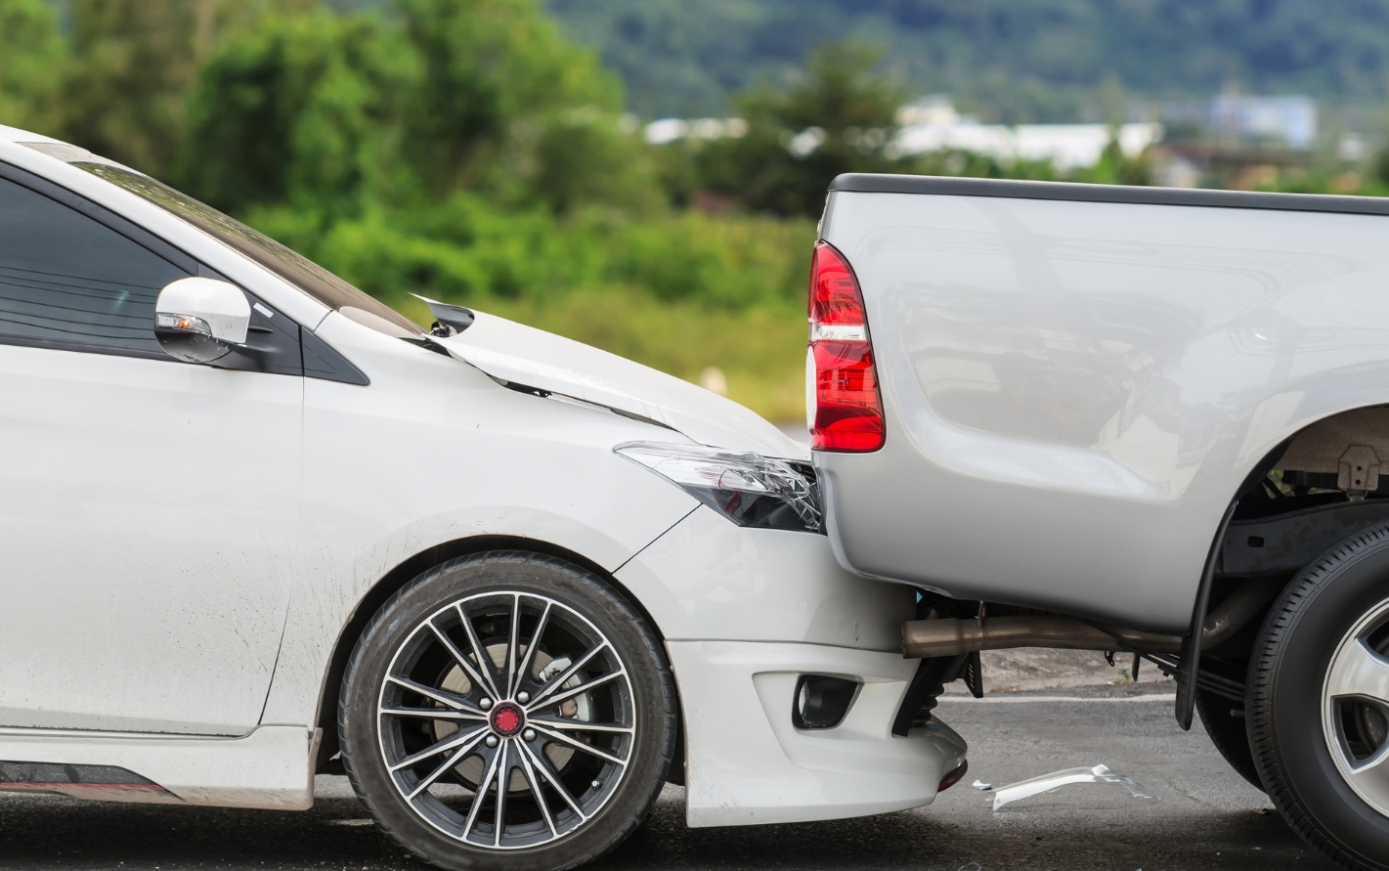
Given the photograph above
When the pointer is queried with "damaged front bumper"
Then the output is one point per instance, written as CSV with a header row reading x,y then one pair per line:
x,y
748,763
747,613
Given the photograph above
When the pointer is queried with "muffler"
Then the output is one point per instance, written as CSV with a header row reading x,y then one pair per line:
x,y
950,637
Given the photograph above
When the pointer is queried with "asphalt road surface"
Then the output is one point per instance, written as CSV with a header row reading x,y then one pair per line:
x,y
1206,816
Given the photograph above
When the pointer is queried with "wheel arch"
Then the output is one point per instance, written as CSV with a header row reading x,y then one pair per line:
x,y
1319,445
1296,531
325,717
1316,447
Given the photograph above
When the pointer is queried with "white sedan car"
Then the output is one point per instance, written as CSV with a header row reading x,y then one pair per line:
x,y
257,525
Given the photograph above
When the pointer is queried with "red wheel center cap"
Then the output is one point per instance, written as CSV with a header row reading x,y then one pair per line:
x,y
507,719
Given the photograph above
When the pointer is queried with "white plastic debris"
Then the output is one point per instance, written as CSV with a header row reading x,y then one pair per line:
x,y
1101,773
979,784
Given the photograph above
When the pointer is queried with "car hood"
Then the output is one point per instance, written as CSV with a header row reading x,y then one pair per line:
x,y
524,356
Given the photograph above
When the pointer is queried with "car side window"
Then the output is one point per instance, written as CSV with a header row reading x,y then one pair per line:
x,y
69,281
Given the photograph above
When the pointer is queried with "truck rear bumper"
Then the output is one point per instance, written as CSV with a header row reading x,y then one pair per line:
x,y
748,763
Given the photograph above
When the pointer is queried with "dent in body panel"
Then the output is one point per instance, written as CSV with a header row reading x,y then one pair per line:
x,y
1094,380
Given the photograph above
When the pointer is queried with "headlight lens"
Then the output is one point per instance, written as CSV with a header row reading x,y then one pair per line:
x,y
749,489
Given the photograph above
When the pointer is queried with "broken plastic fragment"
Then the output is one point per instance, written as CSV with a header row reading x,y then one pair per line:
x,y
979,784
1101,773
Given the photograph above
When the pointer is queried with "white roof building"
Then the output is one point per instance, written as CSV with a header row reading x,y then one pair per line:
x,y
932,124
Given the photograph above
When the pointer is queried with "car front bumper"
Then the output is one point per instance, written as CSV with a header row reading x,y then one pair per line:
x,y
747,762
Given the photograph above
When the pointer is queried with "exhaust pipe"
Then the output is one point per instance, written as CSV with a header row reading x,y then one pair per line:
x,y
922,639
950,637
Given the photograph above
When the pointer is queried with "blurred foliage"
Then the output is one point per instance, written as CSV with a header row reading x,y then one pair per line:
x,y
299,110
465,150
131,64
332,113
30,49
838,118
1015,62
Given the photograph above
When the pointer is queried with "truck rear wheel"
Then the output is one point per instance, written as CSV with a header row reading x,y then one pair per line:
x,y
1228,733
1319,703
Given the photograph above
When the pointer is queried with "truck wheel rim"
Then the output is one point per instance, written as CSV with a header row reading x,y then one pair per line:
x,y
553,741
1355,708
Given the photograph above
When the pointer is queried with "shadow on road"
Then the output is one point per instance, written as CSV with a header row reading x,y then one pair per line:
x,y
1207,816
41,833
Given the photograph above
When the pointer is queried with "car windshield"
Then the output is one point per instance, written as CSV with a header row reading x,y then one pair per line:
x,y
298,270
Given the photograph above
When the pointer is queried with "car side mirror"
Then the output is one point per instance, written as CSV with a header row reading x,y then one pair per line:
x,y
200,320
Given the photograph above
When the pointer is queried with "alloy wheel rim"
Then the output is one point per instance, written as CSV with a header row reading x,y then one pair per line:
x,y
1355,708
506,720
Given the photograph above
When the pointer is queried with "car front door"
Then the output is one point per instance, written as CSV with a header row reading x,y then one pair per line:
x,y
148,508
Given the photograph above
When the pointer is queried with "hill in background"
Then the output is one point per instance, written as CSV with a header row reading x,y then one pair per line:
x,y
1010,61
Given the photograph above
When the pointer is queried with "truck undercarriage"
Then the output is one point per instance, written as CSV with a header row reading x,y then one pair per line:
x,y
1320,489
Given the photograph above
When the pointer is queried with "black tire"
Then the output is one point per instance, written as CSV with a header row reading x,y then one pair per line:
x,y
1229,734
1292,658
406,633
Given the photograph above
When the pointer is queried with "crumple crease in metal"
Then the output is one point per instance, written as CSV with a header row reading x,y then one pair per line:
x,y
1014,792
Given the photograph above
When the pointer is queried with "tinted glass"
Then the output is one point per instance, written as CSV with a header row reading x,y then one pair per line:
x,y
70,281
298,270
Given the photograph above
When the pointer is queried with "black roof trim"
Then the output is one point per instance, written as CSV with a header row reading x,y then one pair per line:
x,y
860,182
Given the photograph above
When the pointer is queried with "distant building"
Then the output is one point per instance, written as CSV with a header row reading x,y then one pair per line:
x,y
668,130
1352,148
1287,120
932,124
1177,172
932,110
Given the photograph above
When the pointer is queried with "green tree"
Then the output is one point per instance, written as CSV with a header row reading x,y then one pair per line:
x,y
303,110
586,157
132,65
506,105
1115,168
30,49
839,118
333,113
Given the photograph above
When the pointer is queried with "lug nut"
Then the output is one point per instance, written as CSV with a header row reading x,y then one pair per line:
x,y
523,697
529,734
485,703
491,741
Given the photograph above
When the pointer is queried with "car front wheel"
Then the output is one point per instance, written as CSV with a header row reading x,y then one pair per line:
x,y
508,711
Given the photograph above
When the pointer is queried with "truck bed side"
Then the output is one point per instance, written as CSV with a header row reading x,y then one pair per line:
x,y
1074,390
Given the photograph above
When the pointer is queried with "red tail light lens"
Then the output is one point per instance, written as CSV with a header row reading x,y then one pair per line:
x,y
844,408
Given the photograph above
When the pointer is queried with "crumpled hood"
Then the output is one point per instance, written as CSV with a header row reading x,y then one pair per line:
x,y
523,355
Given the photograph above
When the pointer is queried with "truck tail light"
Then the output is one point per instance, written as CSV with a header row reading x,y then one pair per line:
x,y
843,406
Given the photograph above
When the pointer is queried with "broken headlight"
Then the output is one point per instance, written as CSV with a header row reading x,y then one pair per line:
x,y
749,489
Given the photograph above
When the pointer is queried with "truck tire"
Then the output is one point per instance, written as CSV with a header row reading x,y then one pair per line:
x,y
1319,702
508,712
1229,735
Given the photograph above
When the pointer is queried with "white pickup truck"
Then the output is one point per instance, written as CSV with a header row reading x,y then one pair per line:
x,y
1128,419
